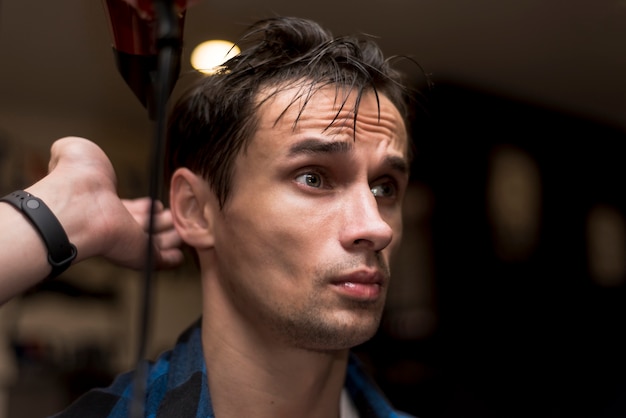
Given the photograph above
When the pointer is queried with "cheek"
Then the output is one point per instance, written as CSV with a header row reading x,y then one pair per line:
x,y
274,227
265,240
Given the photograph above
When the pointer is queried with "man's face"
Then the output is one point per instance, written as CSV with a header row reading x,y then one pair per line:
x,y
303,243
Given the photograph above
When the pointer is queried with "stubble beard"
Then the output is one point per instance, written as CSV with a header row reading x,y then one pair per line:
x,y
329,322
316,333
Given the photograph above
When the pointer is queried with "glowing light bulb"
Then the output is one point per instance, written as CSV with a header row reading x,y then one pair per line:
x,y
208,56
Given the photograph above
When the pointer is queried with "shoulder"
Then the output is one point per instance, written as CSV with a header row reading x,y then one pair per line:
x,y
174,372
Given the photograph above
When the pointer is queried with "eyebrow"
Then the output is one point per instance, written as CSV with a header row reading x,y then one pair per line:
x,y
398,164
316,146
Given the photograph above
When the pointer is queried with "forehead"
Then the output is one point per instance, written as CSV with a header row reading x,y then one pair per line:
x,y
333,112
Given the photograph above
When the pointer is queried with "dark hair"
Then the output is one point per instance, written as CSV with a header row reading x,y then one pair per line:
x,y
214,120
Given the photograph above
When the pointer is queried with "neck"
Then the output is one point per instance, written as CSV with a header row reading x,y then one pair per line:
x,y
252,373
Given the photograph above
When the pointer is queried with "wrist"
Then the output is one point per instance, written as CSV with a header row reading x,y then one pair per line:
x,y
60,251
81,207
62,202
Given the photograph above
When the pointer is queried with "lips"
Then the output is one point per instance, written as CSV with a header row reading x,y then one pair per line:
x,y
361,285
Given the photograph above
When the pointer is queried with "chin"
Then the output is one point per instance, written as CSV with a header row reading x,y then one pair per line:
x,y
337,329
347,336
341,343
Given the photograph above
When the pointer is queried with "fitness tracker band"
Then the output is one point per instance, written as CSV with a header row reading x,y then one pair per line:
x,y
61,252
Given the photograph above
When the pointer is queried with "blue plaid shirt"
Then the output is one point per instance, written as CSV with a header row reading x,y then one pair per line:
x,y
177,387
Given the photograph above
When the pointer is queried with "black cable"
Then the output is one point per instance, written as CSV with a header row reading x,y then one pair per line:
x,y
169,47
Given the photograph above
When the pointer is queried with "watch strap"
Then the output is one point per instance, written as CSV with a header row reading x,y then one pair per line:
x,y
61,252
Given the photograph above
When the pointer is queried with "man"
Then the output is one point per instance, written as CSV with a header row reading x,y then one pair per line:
x,y
295,222
287,172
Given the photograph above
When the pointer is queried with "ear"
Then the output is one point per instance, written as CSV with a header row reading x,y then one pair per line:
x,y
193,208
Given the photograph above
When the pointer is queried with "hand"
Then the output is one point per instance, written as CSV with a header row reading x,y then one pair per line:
x,y
166,237
80,189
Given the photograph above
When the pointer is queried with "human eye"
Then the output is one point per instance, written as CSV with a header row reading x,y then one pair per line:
x,y
310,179
386,189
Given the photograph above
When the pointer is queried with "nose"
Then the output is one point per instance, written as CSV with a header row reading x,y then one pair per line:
x,y
364,226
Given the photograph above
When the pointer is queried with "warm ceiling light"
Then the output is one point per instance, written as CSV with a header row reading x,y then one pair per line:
x,y
210,55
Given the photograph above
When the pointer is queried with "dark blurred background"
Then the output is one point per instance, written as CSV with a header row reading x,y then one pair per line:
x,y
509,293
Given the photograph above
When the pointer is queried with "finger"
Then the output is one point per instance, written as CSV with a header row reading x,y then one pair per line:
x,y
140,210
170,258
168,240
163,221
142,205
